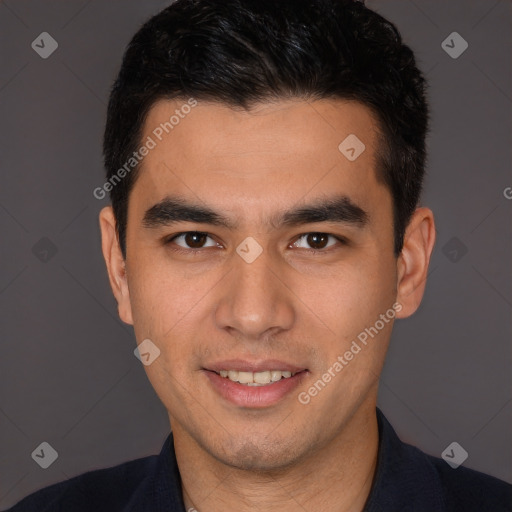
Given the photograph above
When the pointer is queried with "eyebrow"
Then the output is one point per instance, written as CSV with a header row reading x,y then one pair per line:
x,y
338,209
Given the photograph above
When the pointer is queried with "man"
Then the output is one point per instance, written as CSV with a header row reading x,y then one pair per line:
x,y
265,162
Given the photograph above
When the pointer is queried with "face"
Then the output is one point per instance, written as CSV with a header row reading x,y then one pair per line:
x,y
256,247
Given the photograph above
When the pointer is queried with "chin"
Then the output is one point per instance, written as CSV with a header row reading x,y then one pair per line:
x,y
259,456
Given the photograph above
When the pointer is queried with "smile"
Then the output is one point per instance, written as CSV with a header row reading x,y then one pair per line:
x,y
256,378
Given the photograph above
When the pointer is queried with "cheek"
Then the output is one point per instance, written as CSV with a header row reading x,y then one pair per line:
x,y
156,299
162,309
351,306
357,294
170,306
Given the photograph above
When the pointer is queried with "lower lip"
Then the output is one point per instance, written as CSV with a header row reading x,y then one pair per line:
x,y
255,397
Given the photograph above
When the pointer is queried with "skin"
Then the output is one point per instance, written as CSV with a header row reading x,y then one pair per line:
x,y
296,303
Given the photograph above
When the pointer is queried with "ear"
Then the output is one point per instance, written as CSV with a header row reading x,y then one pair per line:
x,y
413,261
116,265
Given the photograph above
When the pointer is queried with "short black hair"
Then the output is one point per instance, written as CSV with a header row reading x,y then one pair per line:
x,y
244,52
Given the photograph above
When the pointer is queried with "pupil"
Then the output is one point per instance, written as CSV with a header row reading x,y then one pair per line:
x,y
195,240
317,240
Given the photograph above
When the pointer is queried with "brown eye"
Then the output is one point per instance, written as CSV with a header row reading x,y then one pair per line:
x,y
317,240
193,240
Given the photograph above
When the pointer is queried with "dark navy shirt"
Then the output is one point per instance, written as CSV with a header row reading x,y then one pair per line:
x,y
406,480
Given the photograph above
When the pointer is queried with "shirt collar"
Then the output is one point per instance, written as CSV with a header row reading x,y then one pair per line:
x,y
404,479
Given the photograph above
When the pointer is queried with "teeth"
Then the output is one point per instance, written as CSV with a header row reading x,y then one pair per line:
x,y
255,378
262,377
275,375
244,377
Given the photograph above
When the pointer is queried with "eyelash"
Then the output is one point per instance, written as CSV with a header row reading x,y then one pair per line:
x,y
177,248
182,250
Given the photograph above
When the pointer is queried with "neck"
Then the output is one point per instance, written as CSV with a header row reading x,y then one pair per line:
x,y
337,477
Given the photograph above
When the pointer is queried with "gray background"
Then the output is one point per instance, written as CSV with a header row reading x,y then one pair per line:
x,y
67,369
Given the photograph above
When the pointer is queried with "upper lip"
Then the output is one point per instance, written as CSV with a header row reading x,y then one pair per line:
x,y
253,366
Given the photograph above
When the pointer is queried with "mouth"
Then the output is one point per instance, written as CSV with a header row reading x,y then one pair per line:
x,y
263,378
254,385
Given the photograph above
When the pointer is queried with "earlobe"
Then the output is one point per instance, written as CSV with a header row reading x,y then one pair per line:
x,y
116,265
414,260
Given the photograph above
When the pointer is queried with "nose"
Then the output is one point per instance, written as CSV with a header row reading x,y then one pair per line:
x,y
255,300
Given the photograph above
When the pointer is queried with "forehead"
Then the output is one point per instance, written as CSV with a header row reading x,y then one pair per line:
x,y
273,155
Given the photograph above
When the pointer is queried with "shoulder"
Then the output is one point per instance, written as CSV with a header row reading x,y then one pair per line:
x,y
459,489
100,490
409,480
468,490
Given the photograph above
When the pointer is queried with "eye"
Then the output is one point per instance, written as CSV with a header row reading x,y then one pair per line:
x,y
316,241
193,240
